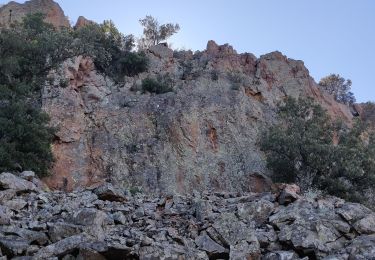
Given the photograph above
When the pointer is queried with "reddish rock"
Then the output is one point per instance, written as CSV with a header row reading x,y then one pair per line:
x,y
13,12
82,22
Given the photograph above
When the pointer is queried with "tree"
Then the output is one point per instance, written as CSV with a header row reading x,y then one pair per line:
x,y
338,87
299,146
301,149
153,33
28,51
111,50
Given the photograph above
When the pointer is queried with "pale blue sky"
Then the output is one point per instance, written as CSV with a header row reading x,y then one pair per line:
x,y
330,36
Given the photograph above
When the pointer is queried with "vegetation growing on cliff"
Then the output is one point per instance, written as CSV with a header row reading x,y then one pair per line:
x,y
338,87
28,51
154,33
306,147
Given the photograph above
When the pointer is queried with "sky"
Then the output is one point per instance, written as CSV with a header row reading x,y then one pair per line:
x,y
330,36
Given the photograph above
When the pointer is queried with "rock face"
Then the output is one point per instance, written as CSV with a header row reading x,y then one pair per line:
x,y
82,22
13,11
201,136
222,225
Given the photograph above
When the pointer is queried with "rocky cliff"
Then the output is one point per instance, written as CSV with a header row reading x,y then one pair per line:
x,y
14,11
108,223
201,136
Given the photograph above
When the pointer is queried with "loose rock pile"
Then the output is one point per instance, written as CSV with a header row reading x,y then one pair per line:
x,y
108,223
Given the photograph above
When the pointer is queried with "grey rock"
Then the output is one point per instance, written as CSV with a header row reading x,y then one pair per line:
x,y
110,193
60,230
119,218
281,255
244,250
353,212
161,51
5,215
361,248
32,237
12,245
366,225
6,195
235,231
257,211
289,193
15,204
10,181
204,242
62,247
27,175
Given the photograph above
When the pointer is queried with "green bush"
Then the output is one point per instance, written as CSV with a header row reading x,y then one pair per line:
x,y
130,64
301,149
28,51
159,86
25,138
110,50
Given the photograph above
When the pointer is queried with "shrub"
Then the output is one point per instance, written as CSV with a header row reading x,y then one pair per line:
x,y
28,51
214,75
337,86
159,86
300,149
111,50
131,64
25,138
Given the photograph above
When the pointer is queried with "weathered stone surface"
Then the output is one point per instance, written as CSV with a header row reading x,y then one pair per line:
x,y
361,248
82,22
161,51
206,225
10,181
108,192
13,11
281,255
12,245
204,242
202,136
289,193
257,211
27,175
366,225
62,247
60,230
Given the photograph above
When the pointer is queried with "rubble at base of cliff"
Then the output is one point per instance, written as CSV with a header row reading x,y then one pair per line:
x,y
108,223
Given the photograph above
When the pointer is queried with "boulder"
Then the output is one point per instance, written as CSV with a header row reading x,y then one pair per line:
x,y
289,193
27,175
82,22
161,51
5,215
257,211
13,245
213,249
10,181
108,192
281,255
60,230
366,225
62,247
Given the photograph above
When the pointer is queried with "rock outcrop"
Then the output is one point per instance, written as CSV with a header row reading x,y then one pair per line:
x,y
201,136
37,224
14,11
82,22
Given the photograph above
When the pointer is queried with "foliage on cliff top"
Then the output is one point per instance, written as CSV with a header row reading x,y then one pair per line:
x,y
28,51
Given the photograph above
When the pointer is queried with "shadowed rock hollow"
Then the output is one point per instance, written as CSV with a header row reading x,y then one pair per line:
x,y
201,136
